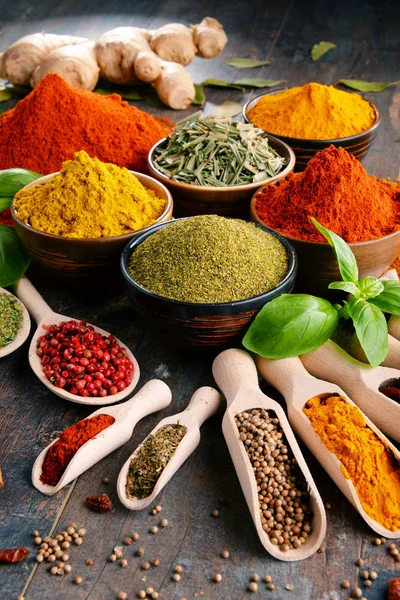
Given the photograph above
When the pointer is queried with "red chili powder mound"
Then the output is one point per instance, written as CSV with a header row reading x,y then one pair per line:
x,y
56,120
336,190
60,454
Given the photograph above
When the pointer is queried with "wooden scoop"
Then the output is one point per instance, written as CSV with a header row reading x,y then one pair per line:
x,y
394,320
203,404
361,382
236,375
43,316
153,396
23,331
290,377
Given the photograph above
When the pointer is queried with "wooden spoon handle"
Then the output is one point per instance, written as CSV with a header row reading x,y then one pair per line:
x,y
233,369
154,395
32,299
203,404
284,374
331,363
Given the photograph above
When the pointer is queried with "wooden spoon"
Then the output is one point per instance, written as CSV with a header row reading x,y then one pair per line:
x,y
236,375
203,404
361,382
153,396
394,320
44,316
23,331
290,377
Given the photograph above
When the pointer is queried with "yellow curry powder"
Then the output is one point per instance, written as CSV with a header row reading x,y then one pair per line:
x,y
371,466
313,112
89,199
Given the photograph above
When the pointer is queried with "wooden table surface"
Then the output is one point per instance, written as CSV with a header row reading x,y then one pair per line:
x,y
368,46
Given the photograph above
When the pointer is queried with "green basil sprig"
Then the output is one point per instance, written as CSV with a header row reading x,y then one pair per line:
x,y
14,259
295,324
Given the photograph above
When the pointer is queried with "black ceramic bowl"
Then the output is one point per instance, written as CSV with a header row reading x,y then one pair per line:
x,y
305,150
198,324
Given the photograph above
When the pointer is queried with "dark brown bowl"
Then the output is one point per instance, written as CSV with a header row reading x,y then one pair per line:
x,y
229,201
84,260
305,150
317,264
201,325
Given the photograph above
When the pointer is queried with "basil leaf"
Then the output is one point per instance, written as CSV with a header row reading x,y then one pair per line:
x,y
246,63
200,97
222,83
258,83
5,95
370,287
129,94
151,98
345,257
5,202
291,325
371,329
320,49
14,259
227,109
12,180
102,92
345,286
388,300
366,86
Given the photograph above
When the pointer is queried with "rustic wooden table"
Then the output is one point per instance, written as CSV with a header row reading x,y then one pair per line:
x,y
368,46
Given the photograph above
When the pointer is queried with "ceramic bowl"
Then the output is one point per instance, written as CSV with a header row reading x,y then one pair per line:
x,y
201,325
82,260
358,144
317,264
230,201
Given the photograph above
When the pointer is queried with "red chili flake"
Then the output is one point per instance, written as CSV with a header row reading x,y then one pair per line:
x,y
13,555
394,589
392,392
99,503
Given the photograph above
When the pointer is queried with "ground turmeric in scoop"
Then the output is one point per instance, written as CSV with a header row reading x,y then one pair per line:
x,y
366,461
89,199
313,112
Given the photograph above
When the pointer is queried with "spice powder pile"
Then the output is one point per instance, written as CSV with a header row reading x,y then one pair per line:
x,y
209,259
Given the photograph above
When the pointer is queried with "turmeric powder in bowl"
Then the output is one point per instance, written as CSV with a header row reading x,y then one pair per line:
x,y
89,199
313,112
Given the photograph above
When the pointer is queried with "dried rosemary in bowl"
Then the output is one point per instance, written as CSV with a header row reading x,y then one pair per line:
x,y
217,153
151,459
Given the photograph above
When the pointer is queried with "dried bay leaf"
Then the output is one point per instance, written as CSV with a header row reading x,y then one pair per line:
x,y
366,86
222,83
259,83
320,49
246,63
227,109
200,97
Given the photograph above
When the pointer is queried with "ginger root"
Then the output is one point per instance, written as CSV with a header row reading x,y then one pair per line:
x,y
76,64
18,63
125,55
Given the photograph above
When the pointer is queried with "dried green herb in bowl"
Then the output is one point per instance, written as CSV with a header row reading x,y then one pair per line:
x,y
218,152
209,259
10,319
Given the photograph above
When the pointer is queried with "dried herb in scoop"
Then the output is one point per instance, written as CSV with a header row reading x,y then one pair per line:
x,y
10,319
218,152
151,459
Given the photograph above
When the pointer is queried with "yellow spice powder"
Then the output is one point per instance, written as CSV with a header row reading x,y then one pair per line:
x,y
371,466
313,112
89,199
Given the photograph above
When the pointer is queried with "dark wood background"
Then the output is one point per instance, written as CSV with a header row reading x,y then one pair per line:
x,y
368,46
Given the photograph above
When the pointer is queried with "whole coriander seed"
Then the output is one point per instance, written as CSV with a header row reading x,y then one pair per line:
x,y
215,513
112,558
124,563
164,522
65,557
139,552
145,566
78,541
364,574
37,541
158,508
155,595
106,480
155,562
51,558
65,545
149,591
176,577
35,533
81,532
128,541
178,569
77,579
253,587
68,568
359,562
70,530
39,558
73,524
345,584
271,586
368,583
356,592
217,578
153,512
135,536
89,562
373,575
289,587
118,552
267,578
225,554
153,529
255,577
141,594
377,542
321,549
122,596
54,570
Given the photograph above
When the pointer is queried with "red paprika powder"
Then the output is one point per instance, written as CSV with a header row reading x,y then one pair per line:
x,y
61,453
55,120
336,190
